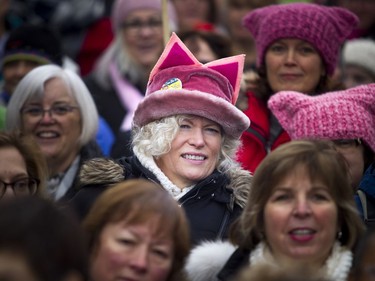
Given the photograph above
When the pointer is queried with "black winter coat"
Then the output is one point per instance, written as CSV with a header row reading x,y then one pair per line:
x,y
209,206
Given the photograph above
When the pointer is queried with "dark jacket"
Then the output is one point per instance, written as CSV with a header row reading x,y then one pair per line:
x,y
211,206
111,109
366,206
88,151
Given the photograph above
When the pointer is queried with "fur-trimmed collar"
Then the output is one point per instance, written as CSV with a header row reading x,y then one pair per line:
x,y
207,259
104,171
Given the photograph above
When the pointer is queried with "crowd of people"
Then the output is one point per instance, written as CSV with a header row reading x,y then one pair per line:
x,y
187,140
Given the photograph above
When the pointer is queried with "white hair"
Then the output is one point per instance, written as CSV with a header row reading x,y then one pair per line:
x,y
32,85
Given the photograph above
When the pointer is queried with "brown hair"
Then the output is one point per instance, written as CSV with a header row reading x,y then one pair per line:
x,y
136,201
35,162
321,161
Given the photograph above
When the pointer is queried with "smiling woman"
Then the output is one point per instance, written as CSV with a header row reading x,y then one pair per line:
x,y
297,48
185,134
54,106
300,211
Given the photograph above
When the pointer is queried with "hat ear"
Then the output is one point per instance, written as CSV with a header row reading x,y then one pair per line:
x,y
231,68
344,20
286,104
175,54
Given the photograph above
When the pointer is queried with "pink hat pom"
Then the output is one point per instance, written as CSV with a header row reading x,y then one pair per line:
x,y
348,114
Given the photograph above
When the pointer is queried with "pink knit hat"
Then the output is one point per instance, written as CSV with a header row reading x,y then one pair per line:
x,y
348,114
325,28
180,84
122,8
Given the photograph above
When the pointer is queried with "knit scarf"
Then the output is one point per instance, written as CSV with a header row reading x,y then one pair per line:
x,y
129,96
149,163
336,267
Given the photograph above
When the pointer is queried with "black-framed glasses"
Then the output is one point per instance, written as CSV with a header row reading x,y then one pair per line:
x,y
55,110
347,143
134,27
25,186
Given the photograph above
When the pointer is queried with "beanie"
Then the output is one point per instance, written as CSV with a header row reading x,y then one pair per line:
x,y
122,8
179,84
360,52
325,28
348,114
33,43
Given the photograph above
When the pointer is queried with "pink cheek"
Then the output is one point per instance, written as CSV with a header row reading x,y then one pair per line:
x,y
117,258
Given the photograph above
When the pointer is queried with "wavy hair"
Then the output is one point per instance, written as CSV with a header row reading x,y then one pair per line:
x,y
155,138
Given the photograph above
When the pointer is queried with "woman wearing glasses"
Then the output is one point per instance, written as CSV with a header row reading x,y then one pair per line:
x,y
56,108
118,82
23,170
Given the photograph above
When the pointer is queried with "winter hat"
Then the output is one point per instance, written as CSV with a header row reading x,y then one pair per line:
x,y
348,114
325,28
360,52
122,8
180,84
33,43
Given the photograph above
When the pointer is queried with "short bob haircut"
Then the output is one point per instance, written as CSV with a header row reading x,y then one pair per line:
x,y
322,162
47,236
35,162
137,201
32,86
155,138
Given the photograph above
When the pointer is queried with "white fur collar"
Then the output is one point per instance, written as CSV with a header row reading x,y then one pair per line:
x,y
149,163
336,267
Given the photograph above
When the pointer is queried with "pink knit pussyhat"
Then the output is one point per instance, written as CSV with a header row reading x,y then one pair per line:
x,y
180,84
326,28
348,114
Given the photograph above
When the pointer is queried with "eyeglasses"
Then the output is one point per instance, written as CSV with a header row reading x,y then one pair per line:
x,y
56,110
26,186
347,143
136,26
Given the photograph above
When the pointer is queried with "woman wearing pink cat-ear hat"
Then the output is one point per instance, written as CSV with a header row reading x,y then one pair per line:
x,y
185,133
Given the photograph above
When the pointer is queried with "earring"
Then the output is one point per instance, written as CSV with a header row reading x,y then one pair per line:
x,y
339,235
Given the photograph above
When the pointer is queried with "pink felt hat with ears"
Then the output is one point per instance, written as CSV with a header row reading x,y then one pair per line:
x,y
348,114
180,84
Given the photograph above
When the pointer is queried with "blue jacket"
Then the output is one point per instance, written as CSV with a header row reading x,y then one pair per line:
x,y
367,185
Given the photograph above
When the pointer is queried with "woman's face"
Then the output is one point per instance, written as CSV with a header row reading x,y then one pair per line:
x,y
194,152
300,219
143,36
12,168
191,12
201,49
293,65
132,252
353,153
57,132
354,75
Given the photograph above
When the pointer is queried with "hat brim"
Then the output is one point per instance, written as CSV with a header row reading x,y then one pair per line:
x,y
26,57
165,103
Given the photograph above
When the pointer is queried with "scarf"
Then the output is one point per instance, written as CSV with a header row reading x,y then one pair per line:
x,y
149,163
336,267
129,96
